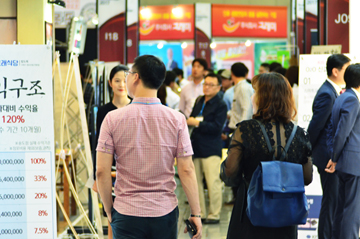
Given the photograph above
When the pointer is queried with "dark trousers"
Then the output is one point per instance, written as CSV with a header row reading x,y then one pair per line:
x,y
347,217
130,227
329,184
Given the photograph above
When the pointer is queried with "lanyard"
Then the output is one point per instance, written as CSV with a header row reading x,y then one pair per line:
x,y
202,108
144,103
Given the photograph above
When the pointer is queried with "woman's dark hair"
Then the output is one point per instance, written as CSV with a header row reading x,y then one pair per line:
x,y
352,76
273,66
274,98
151,71
292,74
116,69
169,77
281,70
161,94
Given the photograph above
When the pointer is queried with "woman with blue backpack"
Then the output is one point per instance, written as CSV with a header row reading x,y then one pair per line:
x,y
269,158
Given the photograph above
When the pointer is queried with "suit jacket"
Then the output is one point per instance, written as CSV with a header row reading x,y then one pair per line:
x,y
346,133
322,107
172,65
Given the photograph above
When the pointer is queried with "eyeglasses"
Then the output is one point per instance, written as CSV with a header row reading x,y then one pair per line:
x,y
129,72
210,85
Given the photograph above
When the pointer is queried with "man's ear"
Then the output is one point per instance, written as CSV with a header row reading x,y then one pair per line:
x,y
335,72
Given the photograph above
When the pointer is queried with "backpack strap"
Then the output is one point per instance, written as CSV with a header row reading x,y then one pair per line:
x,y
287,146
265,135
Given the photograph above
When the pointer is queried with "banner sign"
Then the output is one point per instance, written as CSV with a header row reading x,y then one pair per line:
x,y
27,159
203,32
167,22
338,22
249,21
132,22
112,28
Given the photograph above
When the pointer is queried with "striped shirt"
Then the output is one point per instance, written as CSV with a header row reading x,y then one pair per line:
x,y
145,137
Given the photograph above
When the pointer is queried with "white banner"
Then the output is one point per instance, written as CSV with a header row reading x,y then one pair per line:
x,y
75,8
27,168
109,8
203,18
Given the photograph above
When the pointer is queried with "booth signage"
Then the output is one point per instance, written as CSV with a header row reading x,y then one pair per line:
x,y
249,21
338,23
27,168
167,22
112,26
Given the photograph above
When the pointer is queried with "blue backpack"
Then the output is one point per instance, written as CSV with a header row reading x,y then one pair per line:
x,y
276,194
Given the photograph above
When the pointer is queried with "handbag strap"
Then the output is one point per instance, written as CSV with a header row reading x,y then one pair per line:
x,y
287,146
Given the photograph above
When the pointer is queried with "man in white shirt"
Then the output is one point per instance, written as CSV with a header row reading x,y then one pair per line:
x,y
194,88
241,107
172,99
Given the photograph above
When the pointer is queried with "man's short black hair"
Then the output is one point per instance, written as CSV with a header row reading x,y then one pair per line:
x,y
170,77
274,65
151,70
352,76
281,70
266,65
336,61
218,77
178,72
239,69
201,61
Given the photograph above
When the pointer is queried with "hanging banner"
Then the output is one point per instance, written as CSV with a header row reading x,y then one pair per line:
x,y
167,22
338,23
249,21
266,52
75,8
226,54
300,15
27,159
112,29
203,32
132,22
311,18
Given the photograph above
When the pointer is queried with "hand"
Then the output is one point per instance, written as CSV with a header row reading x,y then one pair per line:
x,y
94,187
108,214
192,122
197,222
224,137
330,167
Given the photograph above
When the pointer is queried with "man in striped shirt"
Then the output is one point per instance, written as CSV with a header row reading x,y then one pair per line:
x,y
145,138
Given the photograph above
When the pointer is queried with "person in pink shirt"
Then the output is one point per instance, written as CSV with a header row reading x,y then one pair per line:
x,y
145,137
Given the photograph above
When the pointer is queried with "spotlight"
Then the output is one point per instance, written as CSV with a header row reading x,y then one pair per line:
x,y
183,45
213,45
160,45
248,43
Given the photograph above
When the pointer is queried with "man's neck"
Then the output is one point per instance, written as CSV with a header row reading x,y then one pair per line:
x,y
336,81
197,81
209,97
238,79
143,92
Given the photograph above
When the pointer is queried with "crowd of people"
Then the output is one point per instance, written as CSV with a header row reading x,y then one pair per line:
x,y
193,119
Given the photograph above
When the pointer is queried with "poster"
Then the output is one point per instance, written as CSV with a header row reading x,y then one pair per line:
x,y
188,57
170,54
27,159
226,54
266,52
338,24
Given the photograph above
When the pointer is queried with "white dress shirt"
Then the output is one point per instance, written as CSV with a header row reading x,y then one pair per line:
x,y
241,108
172,99
188,96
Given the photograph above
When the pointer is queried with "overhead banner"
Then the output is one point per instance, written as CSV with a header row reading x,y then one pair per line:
x,y
132,22
311,18
338,23
249,21
27,159
203,32
112,30
167,22
300,16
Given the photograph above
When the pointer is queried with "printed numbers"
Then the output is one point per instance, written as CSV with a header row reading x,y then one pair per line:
x,y
111,36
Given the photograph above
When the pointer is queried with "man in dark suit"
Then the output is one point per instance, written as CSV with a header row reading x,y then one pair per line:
x,y
345,158
322,107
